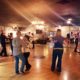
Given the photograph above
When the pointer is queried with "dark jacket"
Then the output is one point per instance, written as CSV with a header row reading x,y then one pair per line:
x,y
2,39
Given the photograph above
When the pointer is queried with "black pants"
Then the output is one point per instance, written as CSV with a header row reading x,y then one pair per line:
x,y
75,50
57,54
3,50
26,55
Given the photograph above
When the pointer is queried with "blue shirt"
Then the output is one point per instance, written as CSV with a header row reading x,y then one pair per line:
x,y
58,41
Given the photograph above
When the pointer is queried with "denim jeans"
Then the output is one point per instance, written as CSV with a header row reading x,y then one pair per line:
x,y
57,54
21,57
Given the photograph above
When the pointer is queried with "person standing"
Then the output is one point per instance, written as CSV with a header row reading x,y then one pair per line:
x,y
17,53
33,43
76,42
57,51
26,51
3,43
11,38
71,38
68,37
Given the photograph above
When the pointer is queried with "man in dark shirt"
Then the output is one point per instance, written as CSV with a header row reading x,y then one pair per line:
x,y
3,43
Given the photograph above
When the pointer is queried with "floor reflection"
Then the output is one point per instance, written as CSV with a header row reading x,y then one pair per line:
x,y
41,66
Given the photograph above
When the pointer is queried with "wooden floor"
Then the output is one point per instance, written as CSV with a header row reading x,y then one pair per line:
x,y
40,60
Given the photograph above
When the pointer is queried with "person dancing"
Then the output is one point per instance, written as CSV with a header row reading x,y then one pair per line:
x,y
57,51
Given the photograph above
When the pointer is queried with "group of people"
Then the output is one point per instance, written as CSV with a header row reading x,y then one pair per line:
x,y
18,46
74,39
21,50
17,52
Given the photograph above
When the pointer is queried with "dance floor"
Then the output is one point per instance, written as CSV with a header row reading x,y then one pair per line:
x,y
40,59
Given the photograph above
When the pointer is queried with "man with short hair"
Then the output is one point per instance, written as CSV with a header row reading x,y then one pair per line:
x,y
17,53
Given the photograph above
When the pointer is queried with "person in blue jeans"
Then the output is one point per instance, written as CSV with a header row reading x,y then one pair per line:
x,y
21,57
17,53
57,51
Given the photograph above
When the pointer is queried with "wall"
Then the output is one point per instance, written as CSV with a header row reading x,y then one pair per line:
x,y
65,30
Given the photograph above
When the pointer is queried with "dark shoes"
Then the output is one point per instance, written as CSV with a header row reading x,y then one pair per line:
x,y
28,68
21,72
59,71
75,51
17,73
54,70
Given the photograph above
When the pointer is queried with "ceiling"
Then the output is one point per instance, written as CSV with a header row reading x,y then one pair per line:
x,y
23,12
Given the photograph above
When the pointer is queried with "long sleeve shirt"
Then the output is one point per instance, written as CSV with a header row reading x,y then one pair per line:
x,y
26,45
17,43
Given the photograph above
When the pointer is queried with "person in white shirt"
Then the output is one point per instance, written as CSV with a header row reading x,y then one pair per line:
x,y
17,53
